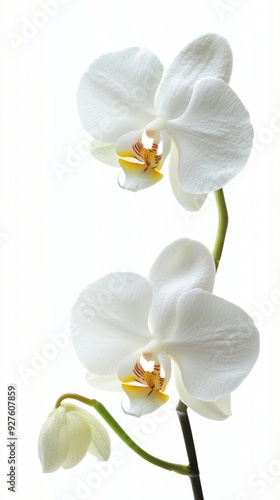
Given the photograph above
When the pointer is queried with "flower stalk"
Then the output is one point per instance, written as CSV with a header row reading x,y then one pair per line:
x,y
182,411
93,403
222,226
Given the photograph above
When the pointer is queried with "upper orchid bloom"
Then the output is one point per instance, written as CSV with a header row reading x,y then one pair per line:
x,y
67,435
136,116
126,326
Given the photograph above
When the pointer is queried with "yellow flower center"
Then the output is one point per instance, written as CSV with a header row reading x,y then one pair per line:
x,y
152,379
149,155
147,378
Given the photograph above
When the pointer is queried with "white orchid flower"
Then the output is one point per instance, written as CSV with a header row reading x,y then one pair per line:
x,y
67,435
127,327
136,117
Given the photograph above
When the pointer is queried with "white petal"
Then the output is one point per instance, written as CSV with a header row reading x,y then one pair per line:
x,y
214,137
142,401
104,152
105,383
53,441
109,321
181,266
215,345
166,145
100,444
208,55
117,93
79,435
189,201
215,410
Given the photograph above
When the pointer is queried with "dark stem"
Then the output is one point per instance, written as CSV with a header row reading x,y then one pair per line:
x,y
182,411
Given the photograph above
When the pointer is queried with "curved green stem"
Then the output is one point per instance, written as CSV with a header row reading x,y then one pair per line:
x,y
222,226
180,469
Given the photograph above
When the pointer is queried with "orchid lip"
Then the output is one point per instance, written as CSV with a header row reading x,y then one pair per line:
x,y
146,375
141,149
141,158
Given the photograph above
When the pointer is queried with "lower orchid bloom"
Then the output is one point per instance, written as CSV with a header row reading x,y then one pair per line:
x,y
136,329
67,435
136,116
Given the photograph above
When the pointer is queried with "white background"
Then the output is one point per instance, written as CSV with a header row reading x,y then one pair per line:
x,y
60,232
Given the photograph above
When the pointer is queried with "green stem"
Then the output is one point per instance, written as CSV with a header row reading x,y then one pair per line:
x,y
222,226
180,469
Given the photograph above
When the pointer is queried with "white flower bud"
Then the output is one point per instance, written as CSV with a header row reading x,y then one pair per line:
x,y
67,435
